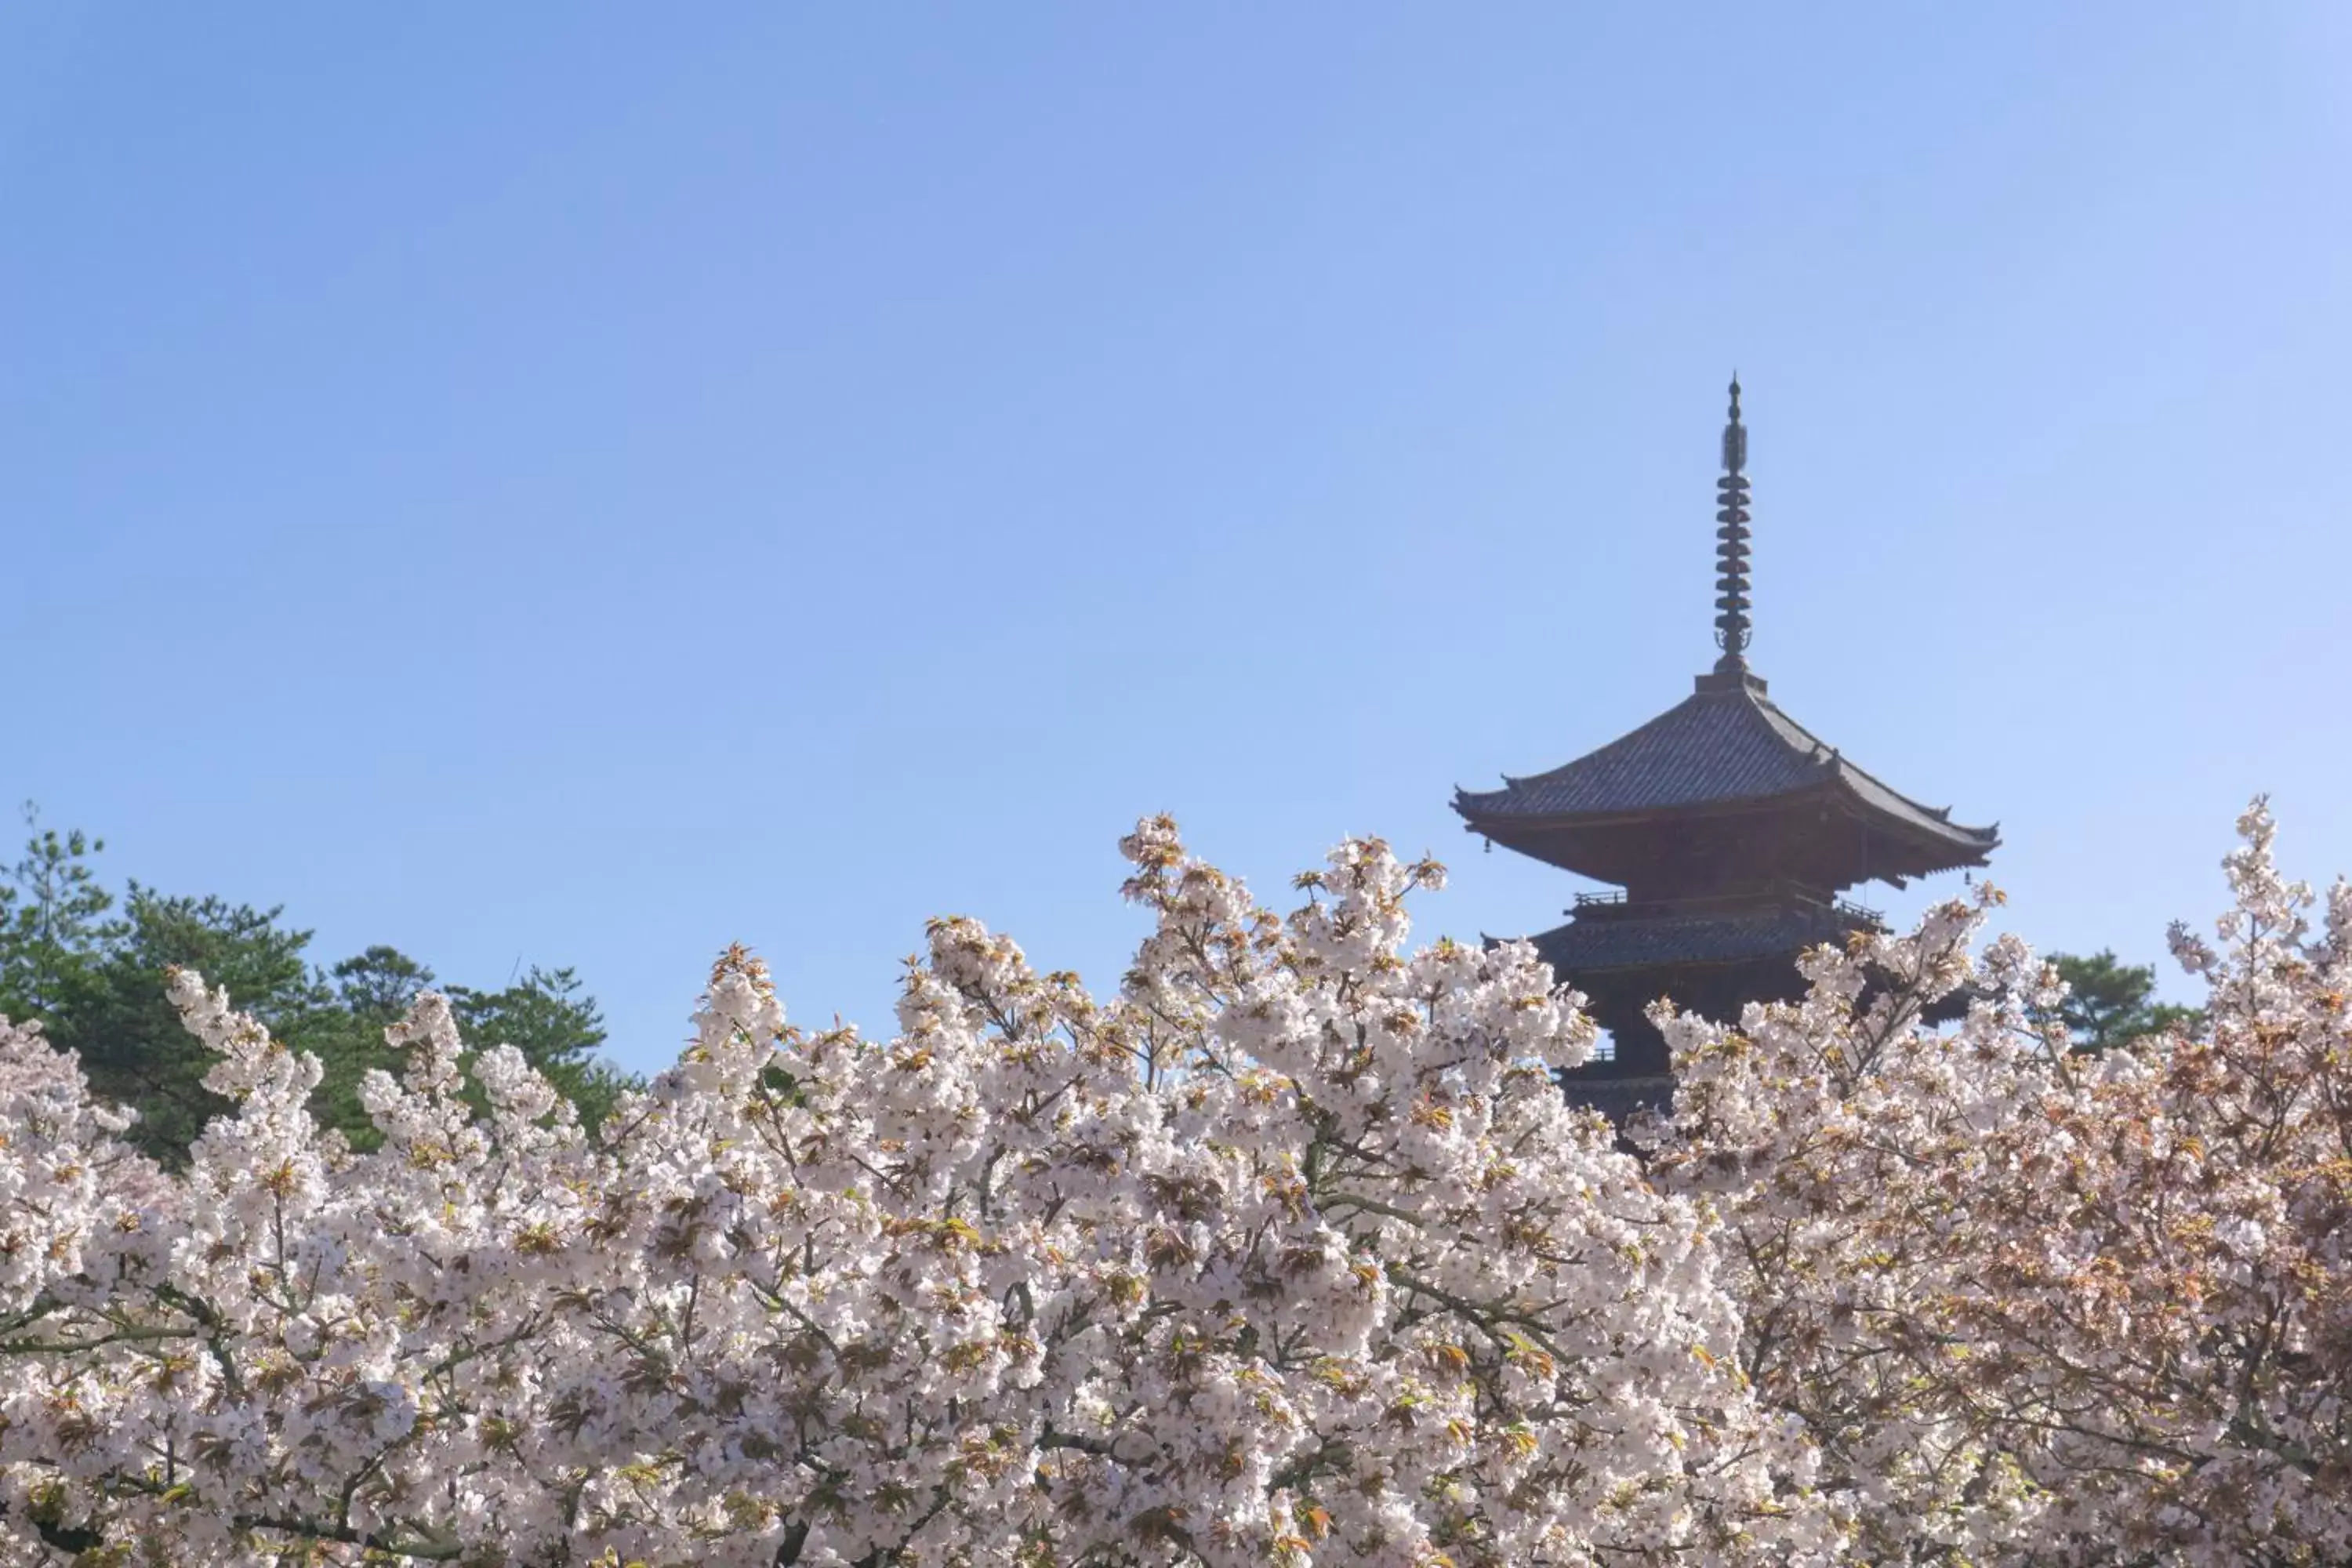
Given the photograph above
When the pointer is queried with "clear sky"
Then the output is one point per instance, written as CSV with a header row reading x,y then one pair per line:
x,y
585,484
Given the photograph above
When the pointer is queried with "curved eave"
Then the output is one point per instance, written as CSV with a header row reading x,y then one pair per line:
x,y
1898,818
1934,843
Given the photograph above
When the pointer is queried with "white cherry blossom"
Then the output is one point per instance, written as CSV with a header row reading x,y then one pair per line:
x,y
1289,1251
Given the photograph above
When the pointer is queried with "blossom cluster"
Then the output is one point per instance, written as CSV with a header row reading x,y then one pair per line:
x,y
1290,1251
2035,1307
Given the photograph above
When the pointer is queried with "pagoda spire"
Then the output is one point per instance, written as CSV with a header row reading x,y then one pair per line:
x,y
1731,551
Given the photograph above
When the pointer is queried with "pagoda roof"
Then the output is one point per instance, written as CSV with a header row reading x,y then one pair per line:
x,y
1725,746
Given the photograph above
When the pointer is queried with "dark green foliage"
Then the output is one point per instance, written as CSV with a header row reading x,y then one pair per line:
x,y
556,1025
96,982
130,1041
2112,1004
369,992
379,984
52,919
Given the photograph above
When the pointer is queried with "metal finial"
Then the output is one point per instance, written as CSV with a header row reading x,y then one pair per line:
x,y
1731,630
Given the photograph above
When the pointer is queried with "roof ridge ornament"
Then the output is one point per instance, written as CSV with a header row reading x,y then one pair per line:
x,y
1731,628
1731,674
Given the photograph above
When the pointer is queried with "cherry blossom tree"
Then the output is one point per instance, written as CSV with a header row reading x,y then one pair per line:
x,y
2034,1307
1290,1252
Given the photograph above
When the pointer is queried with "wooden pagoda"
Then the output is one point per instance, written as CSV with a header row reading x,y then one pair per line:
x,y
1731,830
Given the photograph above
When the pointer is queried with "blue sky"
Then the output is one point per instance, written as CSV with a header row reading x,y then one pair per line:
x,y
587,484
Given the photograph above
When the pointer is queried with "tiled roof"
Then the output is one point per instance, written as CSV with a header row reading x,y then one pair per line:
x,y
1718,746
1584,945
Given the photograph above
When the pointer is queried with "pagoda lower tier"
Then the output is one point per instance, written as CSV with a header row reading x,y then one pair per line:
x,y
1707,956
1710,957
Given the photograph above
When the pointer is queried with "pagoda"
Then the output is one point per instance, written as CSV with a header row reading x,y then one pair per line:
x,y
1730,831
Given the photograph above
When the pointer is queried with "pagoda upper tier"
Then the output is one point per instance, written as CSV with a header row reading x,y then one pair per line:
x,y
1723,797
1722,793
